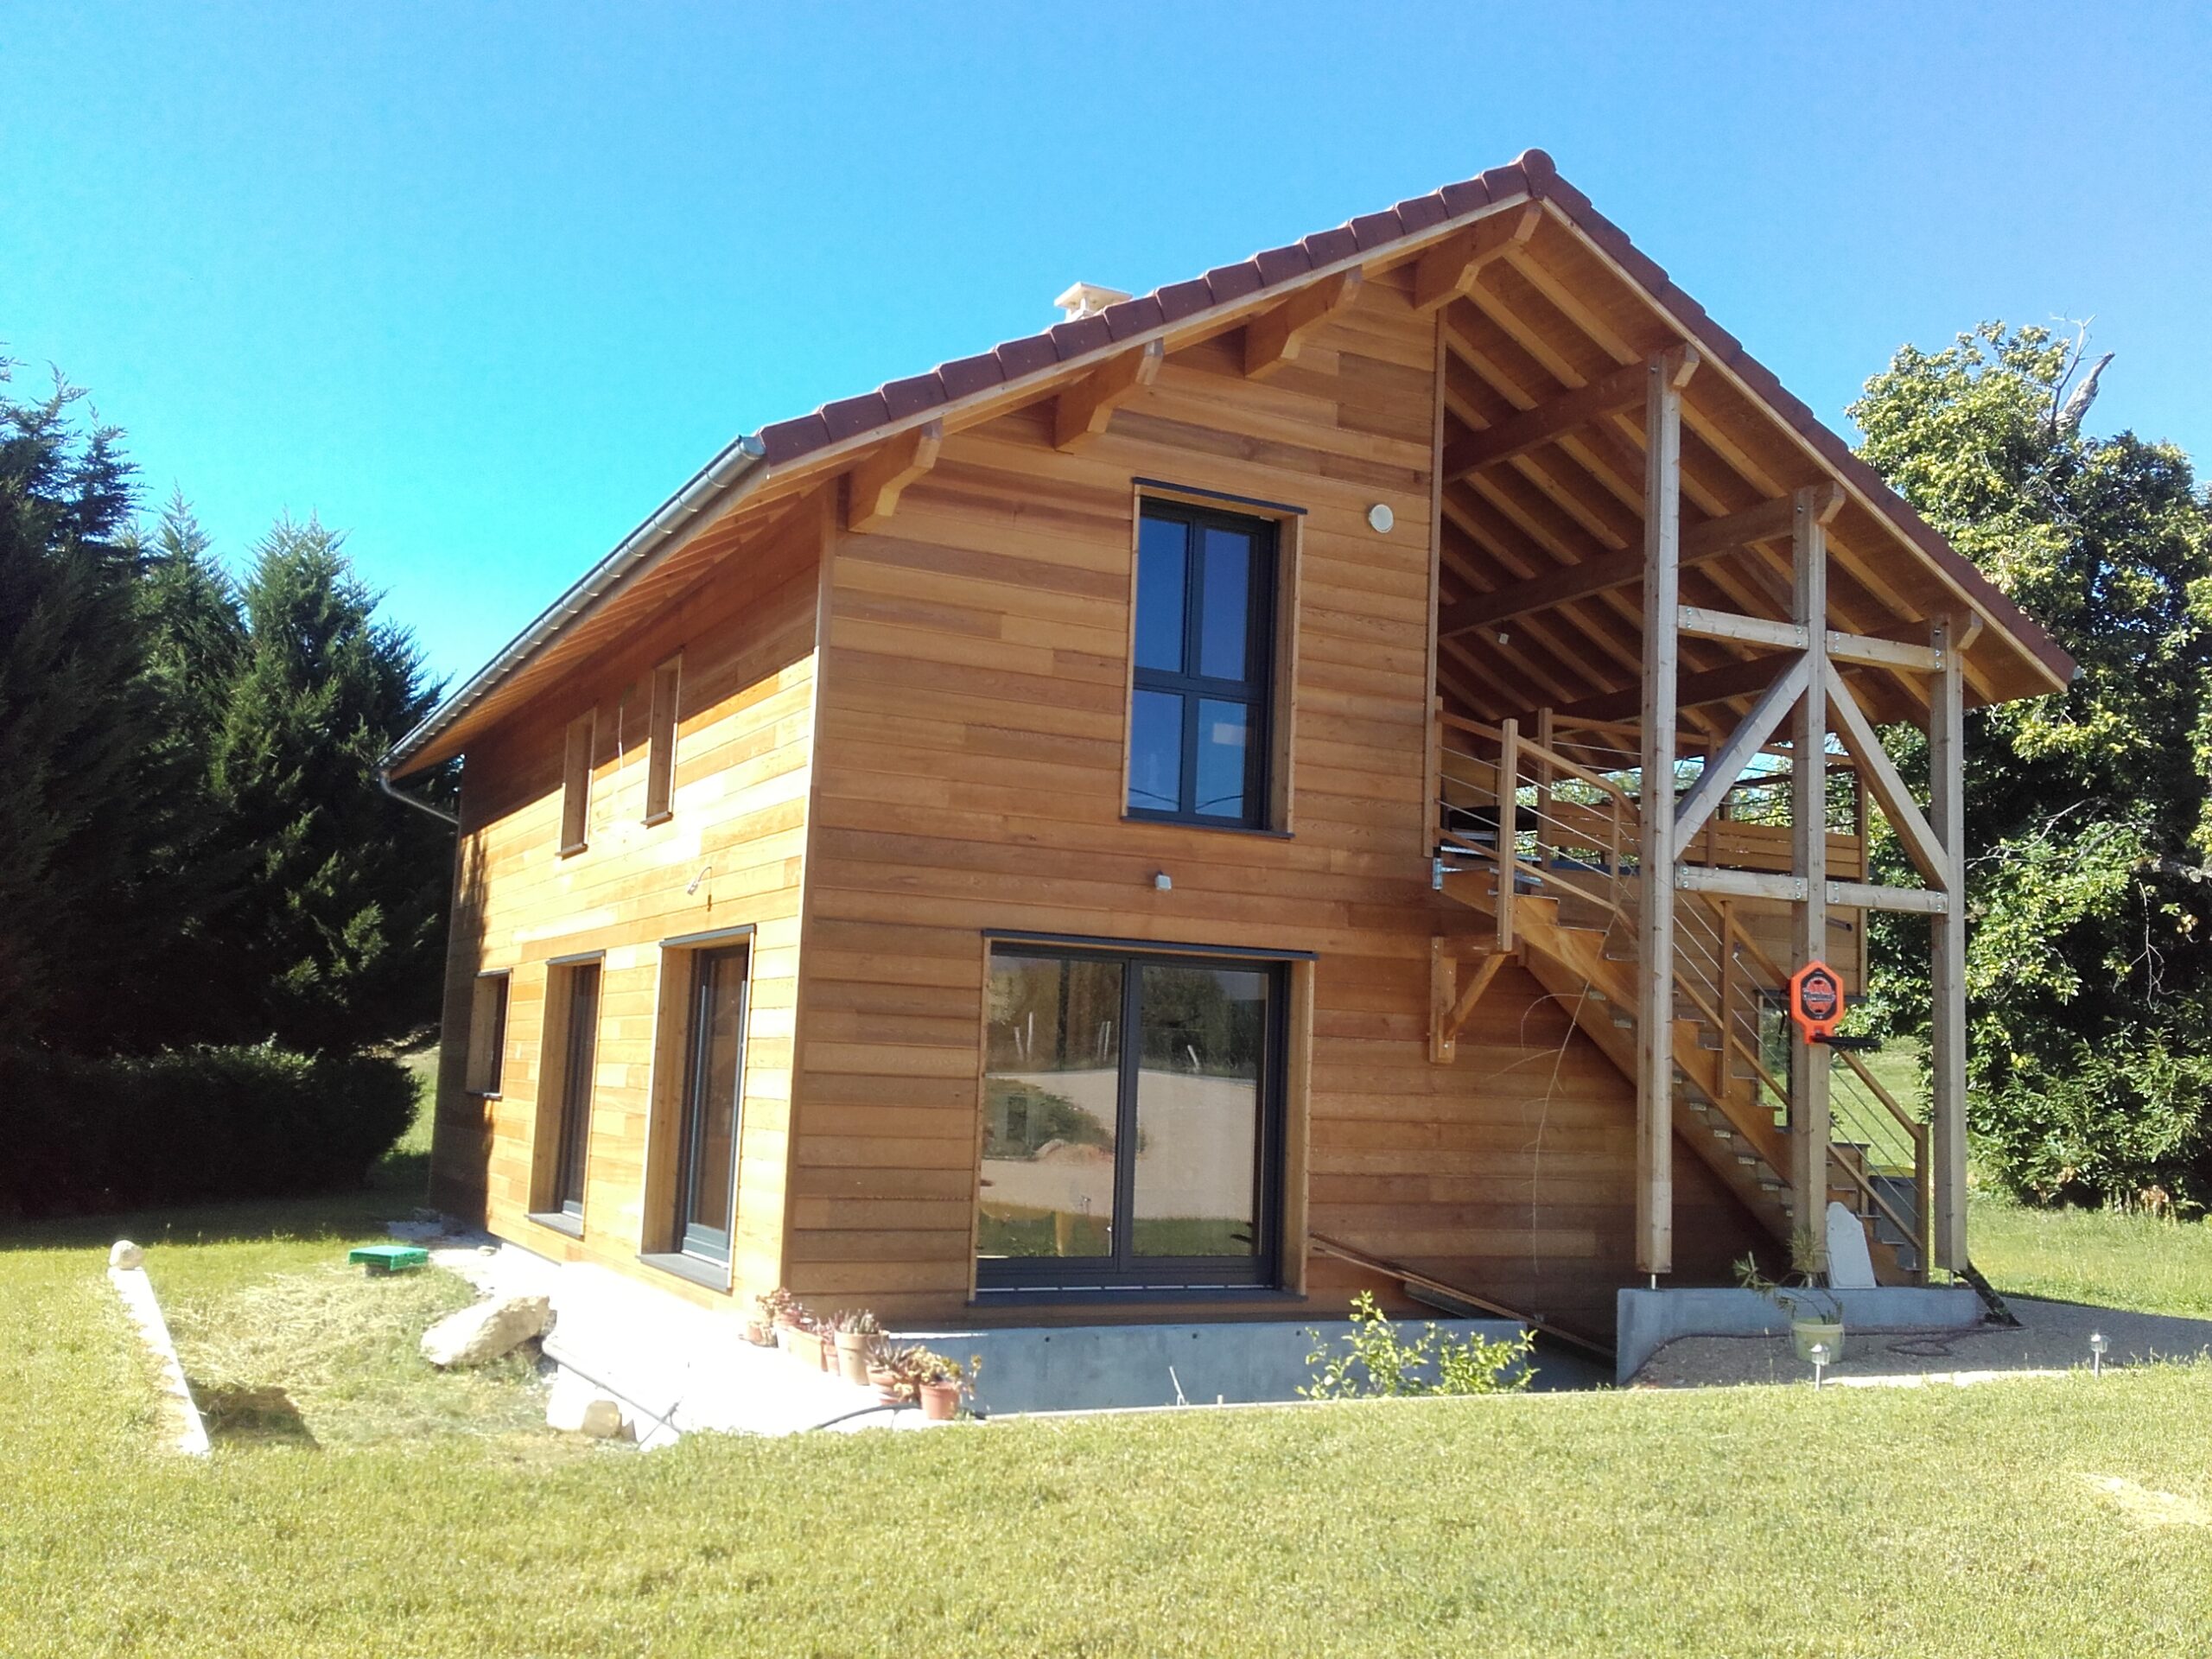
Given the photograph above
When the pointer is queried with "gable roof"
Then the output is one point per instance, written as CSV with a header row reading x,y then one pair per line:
x,y
829,440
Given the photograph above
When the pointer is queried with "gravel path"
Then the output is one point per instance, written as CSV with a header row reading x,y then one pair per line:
x,y
2052,1337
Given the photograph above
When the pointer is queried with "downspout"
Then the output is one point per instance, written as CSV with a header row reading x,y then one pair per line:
x,y
384,783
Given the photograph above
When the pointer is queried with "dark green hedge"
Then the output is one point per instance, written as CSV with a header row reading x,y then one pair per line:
x,y
210,1124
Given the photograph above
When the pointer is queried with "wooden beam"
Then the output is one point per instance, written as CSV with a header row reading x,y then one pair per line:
x,y
1703,624
1870,651
1947,1229
873,489
1273,338
1921,844
1449,269
1860,896
1664,375
1722,685
1713,538
1532,428
1451,1000
1810,1070
1747,740
1767,521
1084,408
1739,884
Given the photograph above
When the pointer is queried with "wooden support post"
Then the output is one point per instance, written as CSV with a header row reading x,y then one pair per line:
x,y
1946,1230
1508,816
1542,768
1655,1023
1443,994
1809,862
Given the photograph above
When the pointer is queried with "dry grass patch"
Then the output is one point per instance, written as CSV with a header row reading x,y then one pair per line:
x,y
324,1355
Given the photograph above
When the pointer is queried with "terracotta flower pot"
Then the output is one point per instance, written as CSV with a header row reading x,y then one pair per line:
x,y
940,1401
887,1387
759,1335
805,1346
852,1356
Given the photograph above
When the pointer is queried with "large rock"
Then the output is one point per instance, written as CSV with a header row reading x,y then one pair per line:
x,y
479,1334
577,1406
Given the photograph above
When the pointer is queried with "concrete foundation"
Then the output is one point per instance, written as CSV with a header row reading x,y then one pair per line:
x,y
1104,1367
1647,1319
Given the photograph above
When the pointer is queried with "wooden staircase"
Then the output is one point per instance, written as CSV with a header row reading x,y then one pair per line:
x,y
1568,917
1583,969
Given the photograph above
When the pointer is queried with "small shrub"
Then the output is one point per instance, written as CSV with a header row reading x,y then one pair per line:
x,y
199,1126
1376,1361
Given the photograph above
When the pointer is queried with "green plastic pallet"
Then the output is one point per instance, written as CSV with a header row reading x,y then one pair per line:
x,y
389,1258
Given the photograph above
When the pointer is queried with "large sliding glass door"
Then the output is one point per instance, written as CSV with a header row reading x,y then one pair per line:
x,y
1132,1121
714,1080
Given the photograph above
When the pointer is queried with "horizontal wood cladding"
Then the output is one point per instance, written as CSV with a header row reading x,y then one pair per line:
x,y
974,693
729,854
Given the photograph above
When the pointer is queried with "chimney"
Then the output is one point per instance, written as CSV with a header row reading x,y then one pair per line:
x,y
1087,300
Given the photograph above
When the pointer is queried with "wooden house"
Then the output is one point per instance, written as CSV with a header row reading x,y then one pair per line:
x,y
1149,821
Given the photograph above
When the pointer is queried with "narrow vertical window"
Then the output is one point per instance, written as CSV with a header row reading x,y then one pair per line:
x,y
660,741
575,784
487,1034
1205,596
578,1059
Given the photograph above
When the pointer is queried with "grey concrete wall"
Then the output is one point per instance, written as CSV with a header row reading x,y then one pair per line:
x,y
1645,1319
1098,1367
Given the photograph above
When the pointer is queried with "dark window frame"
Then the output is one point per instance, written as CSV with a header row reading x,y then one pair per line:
x,y
580,1057
1256,692
484,1058
1126,1271
686,1239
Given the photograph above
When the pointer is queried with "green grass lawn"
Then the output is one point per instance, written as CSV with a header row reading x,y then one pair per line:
x,y
2094,1256
1743,1521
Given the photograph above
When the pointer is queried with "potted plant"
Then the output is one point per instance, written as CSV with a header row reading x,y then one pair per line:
x,y
883,1371
940,1383
760,1326
856,1329
802,1339
1815,1311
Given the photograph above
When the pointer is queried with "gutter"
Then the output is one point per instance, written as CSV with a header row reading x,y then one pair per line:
x,y
383,783
681,511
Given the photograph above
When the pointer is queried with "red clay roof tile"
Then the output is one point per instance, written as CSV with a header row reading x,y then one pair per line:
x,y
1533,173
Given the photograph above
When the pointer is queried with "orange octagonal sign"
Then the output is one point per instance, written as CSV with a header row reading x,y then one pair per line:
x,y
1816,1000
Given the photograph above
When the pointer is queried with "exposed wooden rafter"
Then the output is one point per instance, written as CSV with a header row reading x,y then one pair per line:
x,y
1272,338
873,489
1531,428
1722,685
1084,408
1450,269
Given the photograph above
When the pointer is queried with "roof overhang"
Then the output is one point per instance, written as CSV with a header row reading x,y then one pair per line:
x,y
779,462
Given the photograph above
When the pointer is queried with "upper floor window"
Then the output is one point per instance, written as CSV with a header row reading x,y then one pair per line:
x,y
1205,601
660,741
575,783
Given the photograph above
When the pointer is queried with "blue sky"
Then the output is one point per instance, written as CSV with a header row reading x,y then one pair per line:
x,y
483,284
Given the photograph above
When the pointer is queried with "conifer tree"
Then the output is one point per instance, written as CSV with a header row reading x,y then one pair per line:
x,y
337,935
82,822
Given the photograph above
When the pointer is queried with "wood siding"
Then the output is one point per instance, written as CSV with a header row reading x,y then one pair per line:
x,y
738,825
974,687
